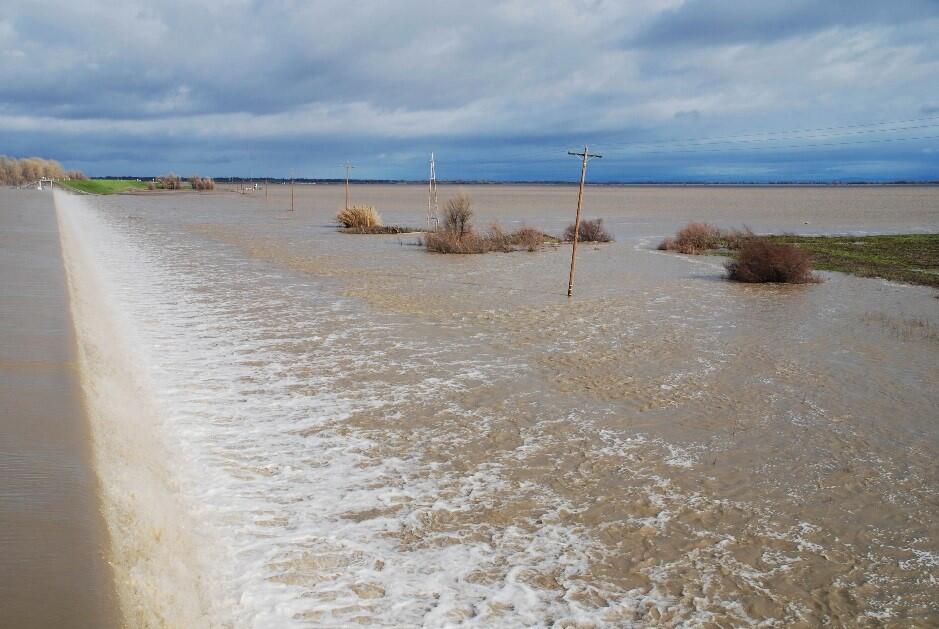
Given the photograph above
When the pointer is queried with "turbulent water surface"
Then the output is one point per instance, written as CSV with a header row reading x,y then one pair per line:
x,y
296,427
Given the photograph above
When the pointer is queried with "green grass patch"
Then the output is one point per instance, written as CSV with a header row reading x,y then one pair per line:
x,y
103,186
911,258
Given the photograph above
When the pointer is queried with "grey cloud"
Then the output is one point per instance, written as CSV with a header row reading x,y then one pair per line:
x,y
724,22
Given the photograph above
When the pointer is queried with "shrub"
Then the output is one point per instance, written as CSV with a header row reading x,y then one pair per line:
x,y
494,239
734,239
529,238
453,242
170,182
458,214
359,217
693,238
151,185
590,231
201,183
760,260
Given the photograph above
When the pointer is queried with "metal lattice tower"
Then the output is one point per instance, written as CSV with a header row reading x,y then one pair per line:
x,y
432,206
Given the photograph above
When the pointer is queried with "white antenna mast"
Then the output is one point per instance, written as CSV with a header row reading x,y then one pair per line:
x,y
432,196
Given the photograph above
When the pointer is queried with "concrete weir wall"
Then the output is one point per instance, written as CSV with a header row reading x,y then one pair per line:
x,y
54,549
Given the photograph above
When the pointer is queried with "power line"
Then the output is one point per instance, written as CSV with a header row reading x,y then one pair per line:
x,y
737,149
679,146
757,134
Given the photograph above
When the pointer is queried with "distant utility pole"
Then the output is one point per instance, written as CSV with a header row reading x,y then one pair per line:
x,y
291,191
580,200
432,206
348,168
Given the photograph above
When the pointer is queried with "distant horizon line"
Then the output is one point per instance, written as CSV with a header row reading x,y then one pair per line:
x,y
557,182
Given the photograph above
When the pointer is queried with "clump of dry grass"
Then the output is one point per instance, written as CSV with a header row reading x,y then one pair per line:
x,y
493,239
453,242
201,183
590,231
761,260
359,217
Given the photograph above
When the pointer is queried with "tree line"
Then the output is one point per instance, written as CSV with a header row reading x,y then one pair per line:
x,y
16,172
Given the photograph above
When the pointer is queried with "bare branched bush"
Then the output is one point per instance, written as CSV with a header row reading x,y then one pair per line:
x,y
760,260
693,238
458,215
359,217
76,175
590,231
151,185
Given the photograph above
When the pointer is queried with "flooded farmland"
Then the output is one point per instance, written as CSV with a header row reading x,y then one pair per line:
x,y
298,427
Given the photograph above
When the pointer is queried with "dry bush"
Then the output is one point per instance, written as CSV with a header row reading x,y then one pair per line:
x,y
458,215
170,182
529,238
359,217
494,239
76,175
760,260
201,183
151,185
453,242
693,238
590,231
734,239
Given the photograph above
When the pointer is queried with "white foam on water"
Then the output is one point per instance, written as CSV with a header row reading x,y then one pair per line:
x,y
249,430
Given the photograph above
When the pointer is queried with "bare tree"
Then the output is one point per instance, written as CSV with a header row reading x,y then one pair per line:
x,y
458,214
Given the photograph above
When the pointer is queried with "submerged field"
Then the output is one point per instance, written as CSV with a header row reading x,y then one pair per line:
x,y
912,258
345,430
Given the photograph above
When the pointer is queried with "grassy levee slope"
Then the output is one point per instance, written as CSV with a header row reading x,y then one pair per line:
x,y
103,186
911,258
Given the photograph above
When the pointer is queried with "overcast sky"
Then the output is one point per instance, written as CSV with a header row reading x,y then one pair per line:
x,y
665,89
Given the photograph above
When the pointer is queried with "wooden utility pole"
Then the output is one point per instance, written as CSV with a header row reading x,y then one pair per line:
x,y
580,201
348,168
291,192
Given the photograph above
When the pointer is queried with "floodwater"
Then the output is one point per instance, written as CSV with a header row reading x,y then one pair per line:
x,y
53,541
297,427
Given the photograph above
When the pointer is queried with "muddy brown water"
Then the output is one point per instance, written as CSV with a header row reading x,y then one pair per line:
x,y
53,540
346,430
